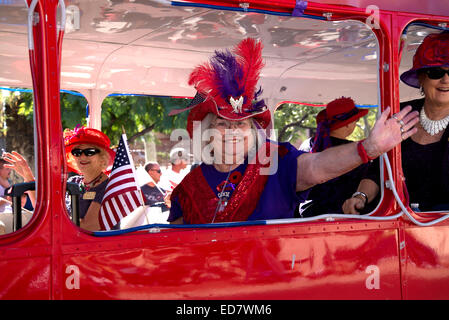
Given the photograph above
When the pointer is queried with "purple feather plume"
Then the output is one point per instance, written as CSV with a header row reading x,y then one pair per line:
x,y
228,72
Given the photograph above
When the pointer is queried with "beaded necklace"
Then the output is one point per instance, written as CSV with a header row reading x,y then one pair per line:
x,y
91,184
432,127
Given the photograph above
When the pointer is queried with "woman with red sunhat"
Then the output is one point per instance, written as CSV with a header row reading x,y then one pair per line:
x,y
88,154
334,125
234,182
425,156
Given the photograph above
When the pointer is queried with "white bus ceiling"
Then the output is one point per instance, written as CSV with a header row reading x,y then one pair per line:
x,y
150,47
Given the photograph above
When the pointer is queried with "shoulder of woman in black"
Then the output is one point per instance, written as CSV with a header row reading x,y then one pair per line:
x,y
416,104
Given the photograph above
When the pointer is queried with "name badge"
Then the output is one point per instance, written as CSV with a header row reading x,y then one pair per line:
x,y
89,195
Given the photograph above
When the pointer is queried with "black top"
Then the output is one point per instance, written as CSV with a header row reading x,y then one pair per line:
x,y
425,169
88,196
329,197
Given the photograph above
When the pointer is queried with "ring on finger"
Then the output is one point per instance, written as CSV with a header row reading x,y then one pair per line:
x,y
402,130
400,121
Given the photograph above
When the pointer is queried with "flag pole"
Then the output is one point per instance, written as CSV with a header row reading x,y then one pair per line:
x,y
125,138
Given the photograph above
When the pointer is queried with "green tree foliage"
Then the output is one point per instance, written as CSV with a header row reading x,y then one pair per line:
x,y
17,126
73,110
364,126
136,114
141,114
296,122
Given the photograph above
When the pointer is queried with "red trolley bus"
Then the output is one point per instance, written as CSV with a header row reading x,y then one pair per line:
x,y
315,51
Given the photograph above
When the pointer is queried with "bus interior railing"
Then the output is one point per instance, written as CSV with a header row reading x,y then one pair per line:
x,y
17,190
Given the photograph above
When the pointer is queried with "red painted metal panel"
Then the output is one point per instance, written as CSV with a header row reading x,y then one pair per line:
x,y
426,273
329,265
26,278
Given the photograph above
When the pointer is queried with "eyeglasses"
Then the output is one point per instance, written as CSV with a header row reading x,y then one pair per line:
x,y
89,152
158,171
436,73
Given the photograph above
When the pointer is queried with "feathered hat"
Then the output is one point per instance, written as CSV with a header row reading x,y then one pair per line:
x,y
226,86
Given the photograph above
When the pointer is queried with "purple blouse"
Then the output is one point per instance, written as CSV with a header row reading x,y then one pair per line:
x,y
279,198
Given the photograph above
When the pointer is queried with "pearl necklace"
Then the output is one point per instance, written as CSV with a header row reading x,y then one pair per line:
x,y
432,127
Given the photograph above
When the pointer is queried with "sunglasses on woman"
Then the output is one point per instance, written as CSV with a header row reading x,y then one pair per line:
x,y
89,152
436,73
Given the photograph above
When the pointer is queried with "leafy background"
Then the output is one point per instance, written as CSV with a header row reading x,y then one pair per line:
x,y
145,120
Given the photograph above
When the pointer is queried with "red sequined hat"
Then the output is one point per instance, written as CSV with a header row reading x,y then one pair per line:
x,y
432,52
226,86
84,135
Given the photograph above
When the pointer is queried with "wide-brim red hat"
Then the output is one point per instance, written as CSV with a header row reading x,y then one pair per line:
x,y
263,118
84,135
432,52
226,86
337,109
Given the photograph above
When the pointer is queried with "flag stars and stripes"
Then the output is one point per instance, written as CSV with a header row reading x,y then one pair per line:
x,y
122,194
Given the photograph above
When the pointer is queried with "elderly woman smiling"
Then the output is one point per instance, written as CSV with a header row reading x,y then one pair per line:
x,y
235,182
88,154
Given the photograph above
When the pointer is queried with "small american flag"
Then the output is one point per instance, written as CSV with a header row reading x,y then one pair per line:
x,y
122,194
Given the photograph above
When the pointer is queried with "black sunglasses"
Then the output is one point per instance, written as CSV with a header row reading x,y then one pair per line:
x,y
158,171
89,152
436,73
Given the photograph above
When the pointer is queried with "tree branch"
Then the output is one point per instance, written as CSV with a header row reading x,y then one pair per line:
x,y
141,133
293,124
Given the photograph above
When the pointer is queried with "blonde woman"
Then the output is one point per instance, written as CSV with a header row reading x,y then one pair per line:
x,y
88,154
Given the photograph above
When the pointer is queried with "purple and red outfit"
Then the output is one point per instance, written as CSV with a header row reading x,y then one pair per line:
x,y
226,87
252,196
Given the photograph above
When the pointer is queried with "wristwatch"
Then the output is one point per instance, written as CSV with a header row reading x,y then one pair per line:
x,y
360,193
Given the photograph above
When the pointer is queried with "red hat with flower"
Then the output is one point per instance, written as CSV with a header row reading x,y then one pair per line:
x,y
432,52
226,86
83,135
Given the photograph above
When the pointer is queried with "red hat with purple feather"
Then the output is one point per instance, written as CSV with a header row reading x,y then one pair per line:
x,y
226,86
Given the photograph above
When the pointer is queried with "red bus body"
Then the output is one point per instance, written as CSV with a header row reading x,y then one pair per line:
x,y
51,258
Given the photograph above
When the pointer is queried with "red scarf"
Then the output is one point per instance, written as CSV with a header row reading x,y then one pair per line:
x,y
199,202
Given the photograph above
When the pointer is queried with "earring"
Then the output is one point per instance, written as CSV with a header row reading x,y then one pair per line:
x,y
421,90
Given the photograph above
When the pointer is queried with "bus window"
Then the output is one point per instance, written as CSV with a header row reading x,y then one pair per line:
x,y
17,149
297,123
332,68
159,146
152,144
424,86
309,61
